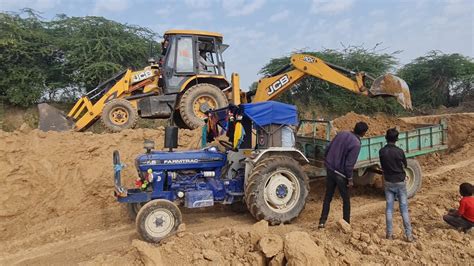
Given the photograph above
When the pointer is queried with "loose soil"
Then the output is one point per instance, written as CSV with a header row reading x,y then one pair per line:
x,y
57,207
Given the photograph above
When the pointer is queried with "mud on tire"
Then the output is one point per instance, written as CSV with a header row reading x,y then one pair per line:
x,y
119,114
276,190
202,97
157,220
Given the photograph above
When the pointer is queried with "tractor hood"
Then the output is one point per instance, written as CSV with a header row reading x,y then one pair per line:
x,y
205,159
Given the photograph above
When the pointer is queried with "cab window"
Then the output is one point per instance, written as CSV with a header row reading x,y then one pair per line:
x,y
184,57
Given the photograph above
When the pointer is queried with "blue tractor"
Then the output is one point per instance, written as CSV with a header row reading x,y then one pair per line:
x,y
260,166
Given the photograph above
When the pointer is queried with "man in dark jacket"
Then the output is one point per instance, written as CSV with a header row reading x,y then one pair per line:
x,y
393,163
340,158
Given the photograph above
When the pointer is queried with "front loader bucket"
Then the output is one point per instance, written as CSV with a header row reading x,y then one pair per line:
x,y
390,85
52,119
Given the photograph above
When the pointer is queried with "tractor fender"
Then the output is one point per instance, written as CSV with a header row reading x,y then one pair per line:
x,y
285,151
282,151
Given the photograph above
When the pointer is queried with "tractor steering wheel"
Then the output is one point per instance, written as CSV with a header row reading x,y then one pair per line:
x,y
227,145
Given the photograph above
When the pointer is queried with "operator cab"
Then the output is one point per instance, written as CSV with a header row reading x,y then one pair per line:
x,y
188,53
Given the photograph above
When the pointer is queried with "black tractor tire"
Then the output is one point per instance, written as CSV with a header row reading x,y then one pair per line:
x,y
238,207
178,120
263,177
215,99
119,114
414,177
154,215
133,209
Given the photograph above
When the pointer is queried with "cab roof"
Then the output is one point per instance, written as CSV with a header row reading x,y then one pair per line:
x,y
195,32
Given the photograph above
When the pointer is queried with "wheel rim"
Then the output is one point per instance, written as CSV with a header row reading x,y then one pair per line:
x,y
202,104
410,181
159,223
118,115
282,191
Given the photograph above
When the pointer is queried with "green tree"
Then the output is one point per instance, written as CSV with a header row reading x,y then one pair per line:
x,y
65,56
315,92
439,79
95,48
29,58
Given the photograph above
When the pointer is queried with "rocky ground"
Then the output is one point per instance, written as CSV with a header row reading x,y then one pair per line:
x,y
56,207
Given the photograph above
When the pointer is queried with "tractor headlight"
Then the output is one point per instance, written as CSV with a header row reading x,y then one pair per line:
x,y
149,175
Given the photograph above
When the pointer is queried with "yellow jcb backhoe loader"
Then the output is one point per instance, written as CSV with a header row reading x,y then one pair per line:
x,y
190,80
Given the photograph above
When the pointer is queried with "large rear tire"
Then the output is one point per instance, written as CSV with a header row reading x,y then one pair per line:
x,y
276,190
157,220
197,100
414,177
119,114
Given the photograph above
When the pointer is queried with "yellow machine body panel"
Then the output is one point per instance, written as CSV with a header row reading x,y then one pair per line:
x,y
195,32
195,78
306,65
303,65
85,112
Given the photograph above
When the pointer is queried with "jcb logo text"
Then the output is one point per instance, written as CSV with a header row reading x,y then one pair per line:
x,y
278,84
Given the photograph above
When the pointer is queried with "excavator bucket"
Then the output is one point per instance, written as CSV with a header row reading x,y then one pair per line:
x,y
53,119
390,85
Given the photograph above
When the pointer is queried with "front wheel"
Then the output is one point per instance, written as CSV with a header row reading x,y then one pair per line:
x,y
413,181
276,190
157,220
119,114
199,99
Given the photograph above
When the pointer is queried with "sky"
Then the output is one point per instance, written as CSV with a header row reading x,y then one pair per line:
x,y
259,30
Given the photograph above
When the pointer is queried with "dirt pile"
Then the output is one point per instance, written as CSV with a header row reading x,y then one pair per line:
x,y
56,208
378,124
52,174
255,245
460,126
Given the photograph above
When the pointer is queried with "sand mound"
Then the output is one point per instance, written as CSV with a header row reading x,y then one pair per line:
x,y
54,174
236,246
56,207
460,126
378,124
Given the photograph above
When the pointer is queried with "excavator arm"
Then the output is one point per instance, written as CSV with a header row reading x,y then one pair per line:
x,y
302,65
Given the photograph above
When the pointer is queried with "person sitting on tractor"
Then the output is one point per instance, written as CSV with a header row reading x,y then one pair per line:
x,y
462,218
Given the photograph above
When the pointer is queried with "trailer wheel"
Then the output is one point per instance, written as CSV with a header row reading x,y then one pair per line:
x,y
133,209
276,190
199,99
414,179
119,114
157,220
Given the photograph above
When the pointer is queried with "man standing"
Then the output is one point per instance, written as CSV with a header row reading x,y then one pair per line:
x,y
340,158
393,163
